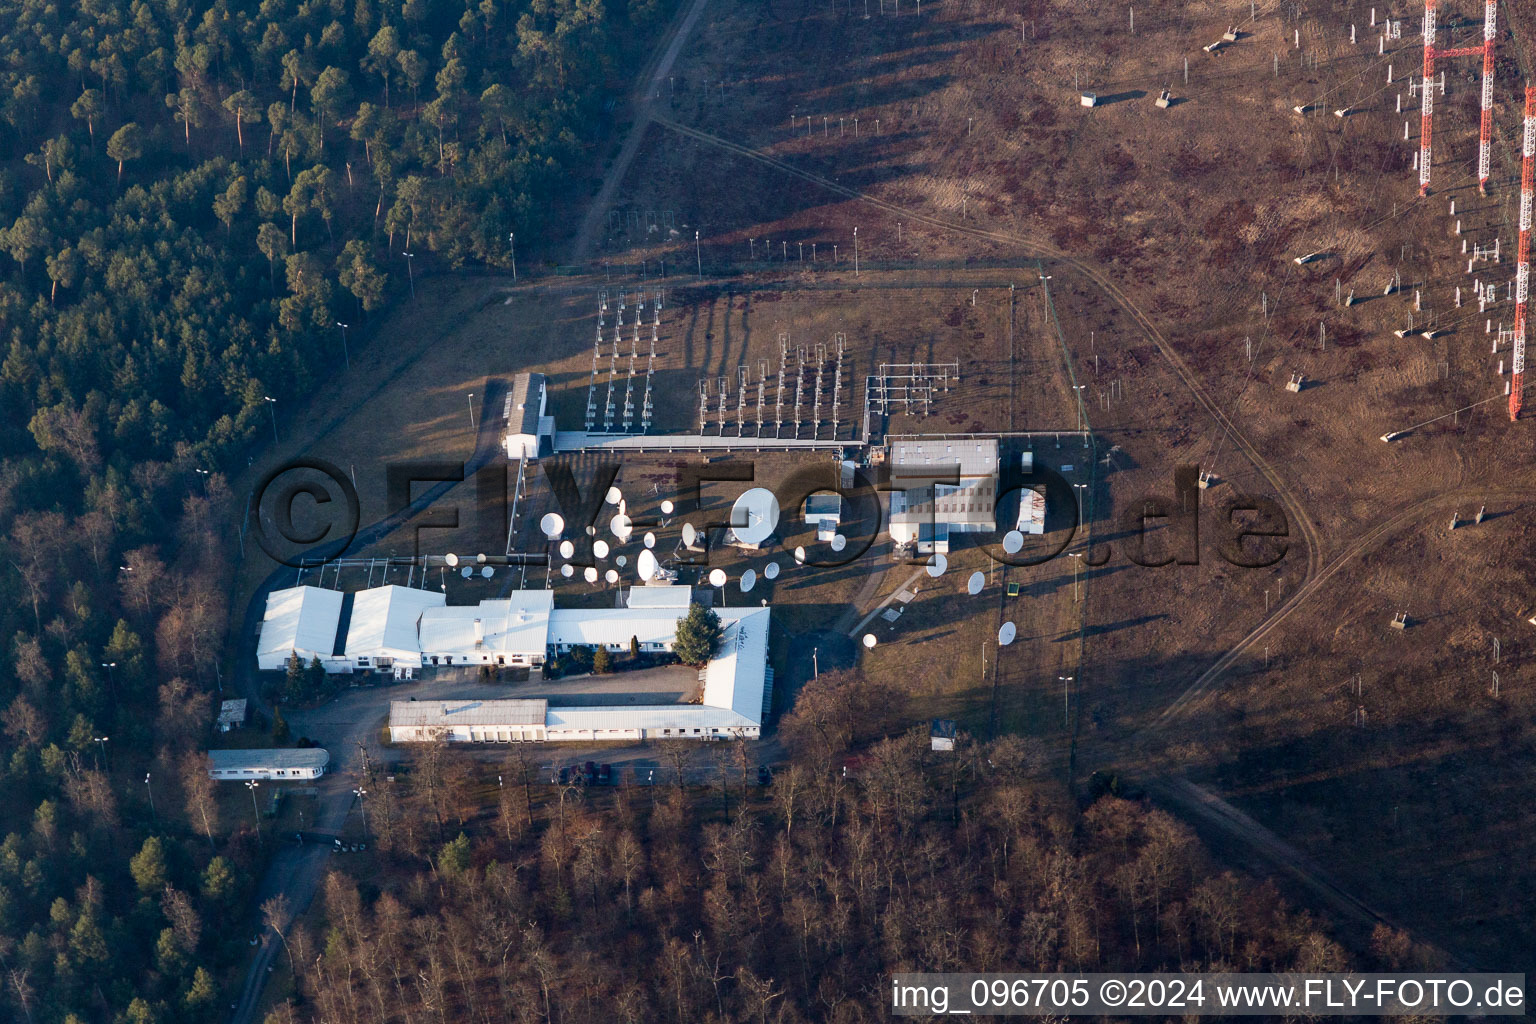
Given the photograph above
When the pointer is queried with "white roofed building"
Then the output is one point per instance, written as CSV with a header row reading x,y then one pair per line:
x,y
510,631
302,621
528,428
384,629
467,721
969,505
281,765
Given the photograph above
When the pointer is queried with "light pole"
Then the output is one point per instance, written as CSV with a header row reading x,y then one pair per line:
x,y
1076,572
1065,700
512,241
470,398
272,408
815,665
151,798
698,256
111,677
253,785
101,748
1079,389
205,474
855,252
1082,503
344,353
362,808
410,272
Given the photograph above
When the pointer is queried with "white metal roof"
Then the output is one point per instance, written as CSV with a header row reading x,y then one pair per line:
x,y
594,626
516,624
661,595
300,619
974,456
651,717
247,760
736,675
448,713
385,619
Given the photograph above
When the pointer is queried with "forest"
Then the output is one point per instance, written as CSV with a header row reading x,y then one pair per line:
x,y
495,898
193,196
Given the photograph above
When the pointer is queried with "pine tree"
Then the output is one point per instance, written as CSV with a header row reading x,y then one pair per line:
x,y
697,634
602,663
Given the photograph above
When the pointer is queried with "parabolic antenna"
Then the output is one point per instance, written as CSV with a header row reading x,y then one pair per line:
x,y
937,566
567,549
621,527
645,566
1013,541
800,556
771,571
1006,634
612,576
615,495
650,540
839,542
755,516
553,524
689,535
566,570
870,641
620,561
590,574
486,572
748,580
975,583
667,507
600,548
467,571
451,558
717,577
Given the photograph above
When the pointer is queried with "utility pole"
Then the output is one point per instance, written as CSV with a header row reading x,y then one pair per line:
x,y
1066,702
512,241
855,252
470,398
698,256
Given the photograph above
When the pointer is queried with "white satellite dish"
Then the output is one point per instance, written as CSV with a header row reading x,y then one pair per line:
x,y
611,576
645,566
800,555
1006,634
975,583
748,580
650,540
566,570
622,527
870,641
567,549
1013,541
451,558
553,524
615,496
771,571
755,516
621,561
589,574
689,535
487,572
717,577
667,507
600,548
839,542
937,566
467,572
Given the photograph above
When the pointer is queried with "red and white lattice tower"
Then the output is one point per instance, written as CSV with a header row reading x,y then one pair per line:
x,y
1427,97
1523,256
1427,94
1485,135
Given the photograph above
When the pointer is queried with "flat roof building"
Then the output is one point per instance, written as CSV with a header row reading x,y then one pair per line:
x,y
280,765
299,621
530,432
231,715
967,506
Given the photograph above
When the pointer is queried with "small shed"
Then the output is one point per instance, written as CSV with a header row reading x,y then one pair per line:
x,y
1090,99
941,735
231,714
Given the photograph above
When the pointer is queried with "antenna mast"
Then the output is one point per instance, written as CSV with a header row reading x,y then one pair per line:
x,y
1426,97
1490,22
1427,93
1523,257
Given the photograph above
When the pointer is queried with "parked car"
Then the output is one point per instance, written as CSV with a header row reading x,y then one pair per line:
x,y
764,775
605,773
589,772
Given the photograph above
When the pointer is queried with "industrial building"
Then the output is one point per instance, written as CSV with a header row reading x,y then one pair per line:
x,y
530,432
281,765
924,513
737,691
